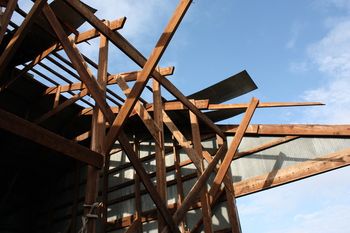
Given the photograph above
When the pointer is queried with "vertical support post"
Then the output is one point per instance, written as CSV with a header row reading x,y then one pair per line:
x,y
57,96
138,204
179,186
196,140
76,198
159,149
98,133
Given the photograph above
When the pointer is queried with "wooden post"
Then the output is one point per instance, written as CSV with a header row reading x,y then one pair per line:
x,y
98,134
196,140
138,203
6,17
159,149
179,186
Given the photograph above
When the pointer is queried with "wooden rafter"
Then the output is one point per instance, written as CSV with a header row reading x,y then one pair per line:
x,y
112,79
19,35
6,17
139,59
78,62
82,37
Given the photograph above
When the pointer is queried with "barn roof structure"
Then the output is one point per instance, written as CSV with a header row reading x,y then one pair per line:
x,y
72,147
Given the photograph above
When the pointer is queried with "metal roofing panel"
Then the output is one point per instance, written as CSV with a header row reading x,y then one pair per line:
x,y
227,89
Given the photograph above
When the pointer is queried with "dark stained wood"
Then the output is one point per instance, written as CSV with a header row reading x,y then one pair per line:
x,y
19,35
41,136
6,17
79,63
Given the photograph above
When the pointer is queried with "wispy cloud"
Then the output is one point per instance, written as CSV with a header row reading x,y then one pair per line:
x,y
331,55
295,31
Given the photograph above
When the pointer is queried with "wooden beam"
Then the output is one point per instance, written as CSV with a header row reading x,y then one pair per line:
x,y
79,63
112,79
137,191
262,105
41,136
139,59
159,149
124,142
197,144
167,106
225,165
98,132
19,35
147,70
6,17
292,130
179,185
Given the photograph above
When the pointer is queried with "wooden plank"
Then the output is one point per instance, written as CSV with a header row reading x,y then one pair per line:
x,y
292,130
41,136
159,149
225,165
124,142
146,72
263,105
98,132
19,35
167,106
79,63
179,185
112,79
196,140
57,97
6,17
137,191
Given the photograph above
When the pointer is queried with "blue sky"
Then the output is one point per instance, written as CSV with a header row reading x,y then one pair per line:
x,y
294,50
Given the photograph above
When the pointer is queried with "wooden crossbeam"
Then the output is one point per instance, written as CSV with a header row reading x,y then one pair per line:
x,y
292,129
6,17
41,136
78,62
167,106
262,105
147,70
19,35
112,79
139,59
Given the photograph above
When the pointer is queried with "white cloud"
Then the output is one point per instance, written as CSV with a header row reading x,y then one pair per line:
x,y
295,33
331,55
